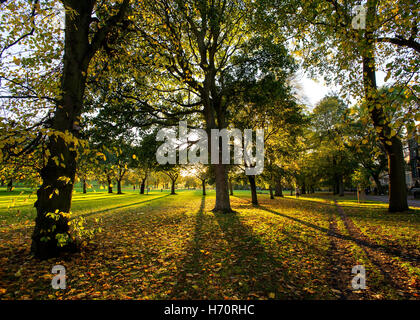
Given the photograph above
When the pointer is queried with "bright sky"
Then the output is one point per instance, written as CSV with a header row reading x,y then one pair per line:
x,y
314,90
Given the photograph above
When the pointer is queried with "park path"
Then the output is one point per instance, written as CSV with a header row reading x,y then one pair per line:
x,y
341,261
415,203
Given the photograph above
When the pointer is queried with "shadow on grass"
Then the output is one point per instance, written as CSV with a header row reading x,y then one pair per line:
x,y
389,250
236,269
257,269
123,206
192,262
25,228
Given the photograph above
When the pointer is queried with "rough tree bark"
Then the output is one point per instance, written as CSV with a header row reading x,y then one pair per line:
x,y
142,186
119,190
271,192
253,186
278,189
203,183
10,185
222,193
340,186
173,186
55,193
392,144
84,186
109,181
378,184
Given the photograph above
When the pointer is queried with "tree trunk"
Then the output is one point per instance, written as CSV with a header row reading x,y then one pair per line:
x,y
303,188
271,192
397,184
392,145
336,184
10,185
84,186
230,187
109,184
278,189
173,187
253,189
142,186
378,184
340,186
55,194
119,191
222,193
203,182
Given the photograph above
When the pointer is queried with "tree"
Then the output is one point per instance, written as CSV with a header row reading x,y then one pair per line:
x,y
268,103
200,52
87,163
362,142
145,157
328,120
83,39
351,57
201,172
172,172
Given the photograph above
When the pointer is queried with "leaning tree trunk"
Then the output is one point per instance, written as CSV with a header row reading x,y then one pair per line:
x,y
253,189
55,194
392,144
203,182
51,232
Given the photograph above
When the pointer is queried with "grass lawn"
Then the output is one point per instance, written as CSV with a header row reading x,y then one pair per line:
x,y
161,246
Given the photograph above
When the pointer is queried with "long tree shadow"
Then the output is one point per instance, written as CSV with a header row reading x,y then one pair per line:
x,y
391,251
191,265
123,206
85,215
245,268
251,269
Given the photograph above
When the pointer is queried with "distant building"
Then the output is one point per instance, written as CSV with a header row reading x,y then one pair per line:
x,y
414,160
